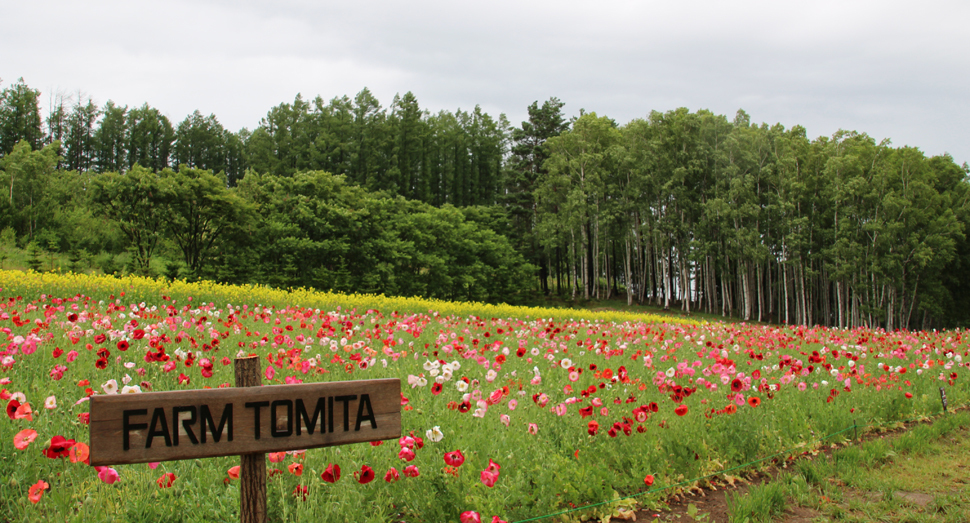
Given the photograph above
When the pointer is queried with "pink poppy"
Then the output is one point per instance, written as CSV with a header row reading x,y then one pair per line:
x,y
107,474
23,438
488,478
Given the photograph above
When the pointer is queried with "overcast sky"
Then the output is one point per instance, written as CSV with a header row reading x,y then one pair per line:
x,y
892,69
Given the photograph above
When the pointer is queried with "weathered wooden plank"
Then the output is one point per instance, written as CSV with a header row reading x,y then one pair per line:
x,y
162,426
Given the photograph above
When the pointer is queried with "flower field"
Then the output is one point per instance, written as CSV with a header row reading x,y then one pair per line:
x,y
508,413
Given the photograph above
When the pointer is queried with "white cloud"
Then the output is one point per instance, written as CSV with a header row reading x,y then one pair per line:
x,y
891,69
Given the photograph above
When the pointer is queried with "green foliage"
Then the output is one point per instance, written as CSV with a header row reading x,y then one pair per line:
x,y
681,209
136,203
761,504
34,253
19,117
330,235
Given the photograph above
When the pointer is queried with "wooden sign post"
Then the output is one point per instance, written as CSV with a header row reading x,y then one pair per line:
x,y
252,467
248,420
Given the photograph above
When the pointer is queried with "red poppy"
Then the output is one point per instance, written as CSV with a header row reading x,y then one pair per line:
x,y
653,407
680,410
731,408
436,389
36,491
300,492
908,395
648,480
454,458
80,453
392,475
464,406
592,427
737,385
59,447
12,407
166,480
586,411
470,517
138,334
411,471
754,401
99,339
331,474
365,475
122,345
418,441
295,468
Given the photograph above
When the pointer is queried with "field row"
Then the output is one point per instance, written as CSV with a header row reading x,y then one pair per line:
x,y
507,412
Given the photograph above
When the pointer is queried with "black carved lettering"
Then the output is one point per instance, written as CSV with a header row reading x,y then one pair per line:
x,y
208,421
127,426
365,401
346,401
256,405
310,422
274,429
158,415
185,424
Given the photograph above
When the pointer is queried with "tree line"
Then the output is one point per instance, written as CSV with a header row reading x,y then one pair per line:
x,y
687,210
757,221
443,158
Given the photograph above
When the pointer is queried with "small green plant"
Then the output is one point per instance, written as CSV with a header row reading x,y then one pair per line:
x,y
877,452
696,515
759,505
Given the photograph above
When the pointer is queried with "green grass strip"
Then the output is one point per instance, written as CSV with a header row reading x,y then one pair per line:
x,y
690,481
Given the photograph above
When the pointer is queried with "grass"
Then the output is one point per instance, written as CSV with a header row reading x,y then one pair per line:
x,y
760,504
921,475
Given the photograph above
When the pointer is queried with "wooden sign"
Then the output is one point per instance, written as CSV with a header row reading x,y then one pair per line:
x,y
943,398
162,426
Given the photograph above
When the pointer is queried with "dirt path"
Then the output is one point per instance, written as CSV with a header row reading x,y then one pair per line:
x,y
929,483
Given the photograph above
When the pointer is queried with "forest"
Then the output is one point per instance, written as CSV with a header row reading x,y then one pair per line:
x,y
683,210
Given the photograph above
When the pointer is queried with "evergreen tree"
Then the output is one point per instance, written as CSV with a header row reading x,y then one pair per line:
x,y
19,117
